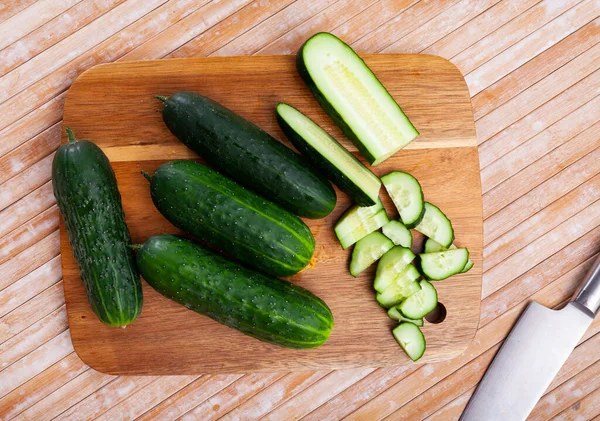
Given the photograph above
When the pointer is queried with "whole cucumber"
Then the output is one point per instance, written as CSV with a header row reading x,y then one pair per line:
x,y
266,308
222,213
90,204
247,154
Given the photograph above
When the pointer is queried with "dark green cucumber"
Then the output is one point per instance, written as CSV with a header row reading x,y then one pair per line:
x,y
353,97
261,306
247,154
86,191
225,215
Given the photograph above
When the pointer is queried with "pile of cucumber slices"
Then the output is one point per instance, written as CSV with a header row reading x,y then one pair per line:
x,y
401,284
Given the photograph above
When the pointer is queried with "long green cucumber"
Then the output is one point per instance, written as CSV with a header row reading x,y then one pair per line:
x,y
86,191
261,306
225,215
247,154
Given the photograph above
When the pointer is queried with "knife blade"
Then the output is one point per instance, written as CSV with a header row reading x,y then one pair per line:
x,y
532,354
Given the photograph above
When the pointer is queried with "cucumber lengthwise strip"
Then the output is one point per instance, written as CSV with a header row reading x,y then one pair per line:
x,y
354,98
261,306
247,154
225,215
329,156
86,191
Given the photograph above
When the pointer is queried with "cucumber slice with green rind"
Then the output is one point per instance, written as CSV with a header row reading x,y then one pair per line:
x,y
358,221
443,264
433,246
392,264
394,314
368,250
411,339
407,195
436,225
398,233
354,98
403,286
329,156
420,303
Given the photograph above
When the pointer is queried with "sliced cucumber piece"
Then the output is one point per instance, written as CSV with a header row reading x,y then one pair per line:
x,y
443,264
401,288
395,314
329,156
398,233
359,221
411,340
407,195
351,94
420,303
368,250
436,225
433,246
392,264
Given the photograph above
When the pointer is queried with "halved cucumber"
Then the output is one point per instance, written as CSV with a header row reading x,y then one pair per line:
x,y
420,303
368,250
436,225
407,195
392,264
327,155
411,340
443,264
359,221
401,288
394,314
432,246
351,94
398,233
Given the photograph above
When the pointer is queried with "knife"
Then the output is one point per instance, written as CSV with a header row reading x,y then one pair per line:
x,y
534,351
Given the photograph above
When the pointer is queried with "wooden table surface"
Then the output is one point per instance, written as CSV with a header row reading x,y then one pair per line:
x,y
532,68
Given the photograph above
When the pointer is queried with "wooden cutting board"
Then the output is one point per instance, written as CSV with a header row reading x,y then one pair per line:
x,y
114,106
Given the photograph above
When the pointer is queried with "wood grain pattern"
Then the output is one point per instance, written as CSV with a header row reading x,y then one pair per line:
x,y
130,130
547,68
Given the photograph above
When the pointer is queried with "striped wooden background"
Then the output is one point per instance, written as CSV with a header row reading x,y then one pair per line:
x,y
533,72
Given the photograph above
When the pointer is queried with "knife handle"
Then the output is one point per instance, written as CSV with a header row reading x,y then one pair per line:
x,y
588,294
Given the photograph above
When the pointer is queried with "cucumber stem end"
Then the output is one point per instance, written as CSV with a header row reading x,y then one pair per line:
x,y
161,98
70,135
146,175
135,246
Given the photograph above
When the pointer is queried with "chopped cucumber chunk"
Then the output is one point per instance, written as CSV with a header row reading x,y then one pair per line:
x,y
368,250
398,233
433,246
350,93
395,314
329,156
411,339
419,304
436,225
392,264
402,287
359,221
443,264
406,193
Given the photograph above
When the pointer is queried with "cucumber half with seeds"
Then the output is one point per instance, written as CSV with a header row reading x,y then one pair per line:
x,y
358,222
421,303
407,195
395,314
444,264
328,156
368,250
436,225
411,339
432,247
392,264
354,98
401,288
398,233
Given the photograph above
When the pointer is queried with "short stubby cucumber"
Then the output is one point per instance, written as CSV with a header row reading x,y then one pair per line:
x,y
248,154
86,191
225,215
258,305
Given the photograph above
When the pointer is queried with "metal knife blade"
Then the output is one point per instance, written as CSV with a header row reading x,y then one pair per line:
x,y
532,354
